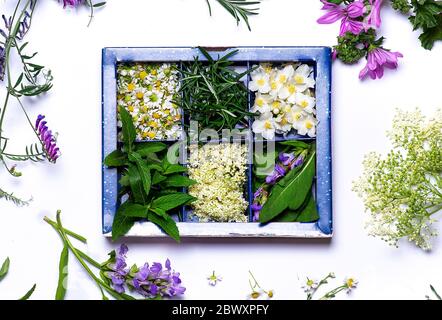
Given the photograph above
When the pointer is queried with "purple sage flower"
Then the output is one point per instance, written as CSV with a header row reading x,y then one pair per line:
x,y
72,3
118,269
348,15
378,59
277,173
256,207
374,17
47,139
286,158
255,217
298,161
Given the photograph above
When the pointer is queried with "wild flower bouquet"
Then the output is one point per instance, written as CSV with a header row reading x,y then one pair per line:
x,y
360,20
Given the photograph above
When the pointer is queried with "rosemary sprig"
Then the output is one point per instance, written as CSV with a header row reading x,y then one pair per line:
x,y
213,93
239,9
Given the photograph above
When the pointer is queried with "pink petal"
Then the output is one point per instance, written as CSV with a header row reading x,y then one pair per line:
x,y
332,16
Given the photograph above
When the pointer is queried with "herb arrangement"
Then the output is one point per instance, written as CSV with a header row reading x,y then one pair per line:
x,y
284,100
213,94
284,193
403,190
360,21
150,182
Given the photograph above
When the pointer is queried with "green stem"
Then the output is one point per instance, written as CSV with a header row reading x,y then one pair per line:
x,y
67,231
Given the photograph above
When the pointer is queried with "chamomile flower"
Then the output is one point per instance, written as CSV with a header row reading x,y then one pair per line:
x,y
214,279
310,285
265,125
260,82
306,102
350,283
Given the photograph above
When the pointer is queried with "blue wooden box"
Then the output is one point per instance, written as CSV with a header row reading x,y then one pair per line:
x,y
318,57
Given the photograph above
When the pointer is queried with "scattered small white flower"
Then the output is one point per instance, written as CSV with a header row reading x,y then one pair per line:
x,y
350,283
214,279
310,285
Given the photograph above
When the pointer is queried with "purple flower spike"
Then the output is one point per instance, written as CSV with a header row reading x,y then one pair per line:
x,y
298,162
48,141
374,18
277,173
256,207
256,216
378,59
258,193
347,14
286,158
72,3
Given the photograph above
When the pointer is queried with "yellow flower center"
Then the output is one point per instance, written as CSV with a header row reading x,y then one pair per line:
x,y
304,104
276,104
310,282
299,79
153,124
282,78
156,115
292,89
130,108
297,115
260,102
261,82
130,87
274,85
143,74
350,282
255,295
308,124
270,294
140,95
268,125
284,121
154,72
151,134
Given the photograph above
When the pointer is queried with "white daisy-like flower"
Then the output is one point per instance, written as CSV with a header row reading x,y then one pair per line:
x,y
288,92
307,126
284,75
295,115
265,125
303,78
260,82
262,103
350,283
306,102
310,285
282,124
214,279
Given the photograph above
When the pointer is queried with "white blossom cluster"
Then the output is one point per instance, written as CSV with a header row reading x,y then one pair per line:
x,y
148,92
220,172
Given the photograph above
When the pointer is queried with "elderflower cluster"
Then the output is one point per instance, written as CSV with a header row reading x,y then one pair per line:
x,y
220,172
284,100
403,190
148,92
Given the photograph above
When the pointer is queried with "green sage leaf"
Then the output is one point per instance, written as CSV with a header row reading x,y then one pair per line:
x,y
172,201
167,224
5,268
146,148
178,180
136,184
122,223
62,273
116,158
128,128
136,210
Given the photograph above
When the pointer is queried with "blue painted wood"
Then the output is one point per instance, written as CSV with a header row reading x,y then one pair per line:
x,y
319,57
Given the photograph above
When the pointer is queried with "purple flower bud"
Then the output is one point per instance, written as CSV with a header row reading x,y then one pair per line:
x,y
298,162
286,158
256,216
256,207
47,139
258,193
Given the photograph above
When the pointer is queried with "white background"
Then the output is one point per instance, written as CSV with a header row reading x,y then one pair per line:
x,y
362,112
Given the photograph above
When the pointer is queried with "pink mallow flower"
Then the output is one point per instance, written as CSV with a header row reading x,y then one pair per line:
x,y
374,17
347,14
378,59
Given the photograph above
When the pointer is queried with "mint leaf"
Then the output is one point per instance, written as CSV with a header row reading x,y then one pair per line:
x,y
128,128
431,35
178,180
171,201
116,158
157,178
143,170
136,210
166,223
145,148
136,184
122,223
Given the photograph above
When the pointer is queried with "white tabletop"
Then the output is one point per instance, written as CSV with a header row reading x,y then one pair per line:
x,y
362,112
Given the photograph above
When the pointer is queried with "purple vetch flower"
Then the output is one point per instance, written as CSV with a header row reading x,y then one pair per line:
x,y
378,59
298,161
286,158
374,17
47,139
2,63
72,3
348,15
118,269
277,173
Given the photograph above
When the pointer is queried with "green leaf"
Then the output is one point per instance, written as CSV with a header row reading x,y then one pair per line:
x,y
167,224
157,178
62,273
171,201
430,35
143,170
29,293
128,128
289,192
116,158
177,181
145,148
136,210
99,4
122,223
310,212
295,143
136,184
5,268
170,168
